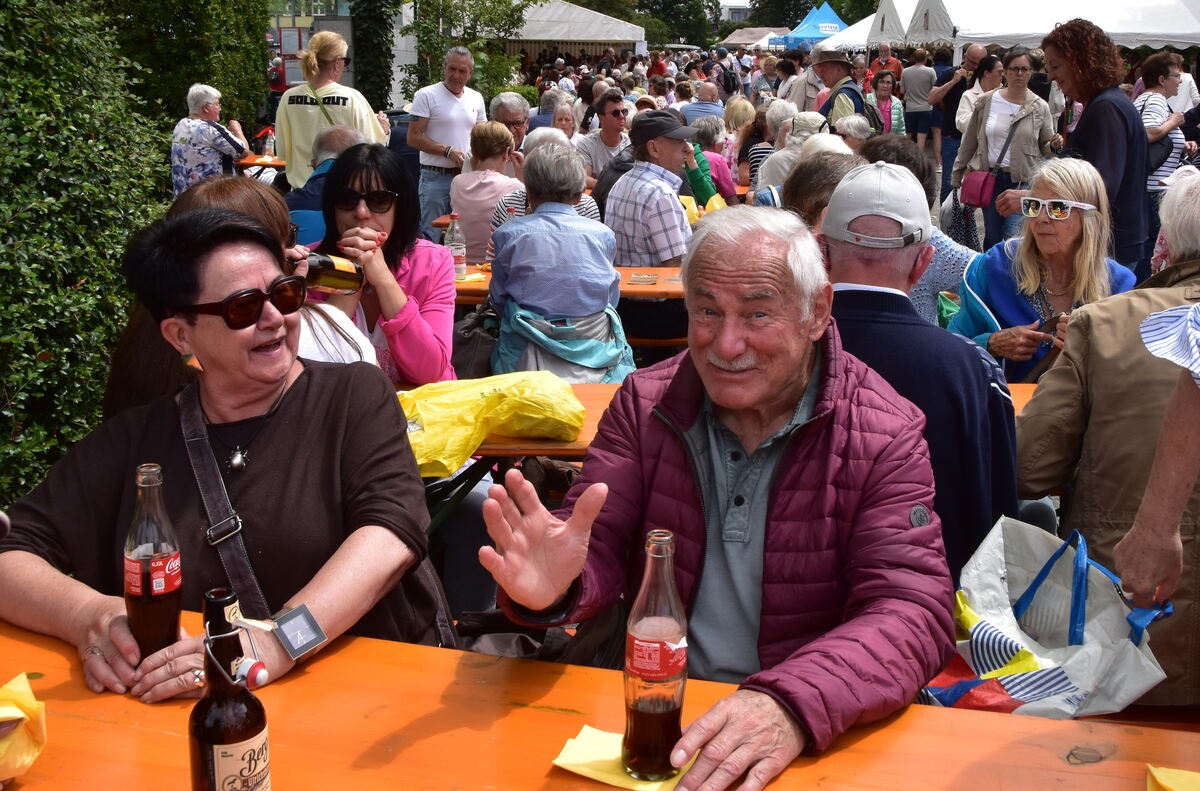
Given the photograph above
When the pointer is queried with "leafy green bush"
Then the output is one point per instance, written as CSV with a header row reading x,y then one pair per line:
x,y
74,183
221,43
372,21
530,92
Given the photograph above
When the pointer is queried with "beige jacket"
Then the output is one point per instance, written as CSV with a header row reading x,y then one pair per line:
x,y
1091,429
1030,143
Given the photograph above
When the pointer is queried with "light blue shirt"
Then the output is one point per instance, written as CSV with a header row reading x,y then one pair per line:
x,y
699,109
555,263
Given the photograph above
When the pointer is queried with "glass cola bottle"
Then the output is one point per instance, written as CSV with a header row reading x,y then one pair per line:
x,y
153,575
655,665
228,726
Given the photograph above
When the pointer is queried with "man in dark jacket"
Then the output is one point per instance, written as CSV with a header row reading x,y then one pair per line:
x,y
798,487
877,234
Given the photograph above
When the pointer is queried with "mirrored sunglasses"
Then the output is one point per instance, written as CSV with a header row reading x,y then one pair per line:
x,y
378,201
624,111
244,308
1056,208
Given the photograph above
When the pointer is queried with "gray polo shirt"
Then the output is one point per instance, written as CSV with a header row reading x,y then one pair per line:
x,y
735,490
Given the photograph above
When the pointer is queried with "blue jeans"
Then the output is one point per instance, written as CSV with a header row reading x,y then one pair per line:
x,y
1142,270
949,154
434,193
997,228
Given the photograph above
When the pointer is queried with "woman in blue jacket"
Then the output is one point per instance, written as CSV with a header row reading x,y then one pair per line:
x,y
1017,296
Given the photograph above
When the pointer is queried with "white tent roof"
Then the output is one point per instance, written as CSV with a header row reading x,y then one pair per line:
x,y
1146,23
558,20
892,18
854,37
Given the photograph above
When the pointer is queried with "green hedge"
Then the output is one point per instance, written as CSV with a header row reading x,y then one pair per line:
x,y
74,183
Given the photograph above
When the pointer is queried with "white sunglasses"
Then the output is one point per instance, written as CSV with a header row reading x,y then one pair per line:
x,y
1056,208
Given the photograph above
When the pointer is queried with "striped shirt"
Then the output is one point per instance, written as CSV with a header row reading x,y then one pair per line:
x,y
1174,334
1154,111
645,213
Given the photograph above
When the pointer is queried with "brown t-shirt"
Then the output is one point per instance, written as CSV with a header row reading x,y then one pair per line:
x,y
333,457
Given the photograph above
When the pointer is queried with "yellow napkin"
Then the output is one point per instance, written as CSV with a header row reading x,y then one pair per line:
x,y
1160,779
471,278
597,754
20,748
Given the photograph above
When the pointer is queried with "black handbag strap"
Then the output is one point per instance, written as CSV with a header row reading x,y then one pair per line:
x,y
1012,127
225,526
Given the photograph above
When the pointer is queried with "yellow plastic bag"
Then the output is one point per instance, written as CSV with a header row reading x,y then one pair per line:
x,y
690,209
447,421
20,748
714,203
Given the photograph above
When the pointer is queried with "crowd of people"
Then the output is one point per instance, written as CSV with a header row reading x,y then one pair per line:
x,y
829,447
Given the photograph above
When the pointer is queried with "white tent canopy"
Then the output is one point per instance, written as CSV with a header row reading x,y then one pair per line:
x,y
892,19
854,37
1146,23
558,20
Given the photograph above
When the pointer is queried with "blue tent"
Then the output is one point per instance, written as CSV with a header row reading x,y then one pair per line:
x,y
818,25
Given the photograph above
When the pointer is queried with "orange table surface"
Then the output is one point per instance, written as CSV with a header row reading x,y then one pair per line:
x,y
594,397
253,160
370,714
668,286
1021,393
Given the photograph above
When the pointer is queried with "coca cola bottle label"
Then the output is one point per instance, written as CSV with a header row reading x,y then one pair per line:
x,y
654,660
165,575
245,766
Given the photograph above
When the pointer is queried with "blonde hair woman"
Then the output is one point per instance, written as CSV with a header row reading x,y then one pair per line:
x,y
321,102
564,119
474,194
738,113
1016,297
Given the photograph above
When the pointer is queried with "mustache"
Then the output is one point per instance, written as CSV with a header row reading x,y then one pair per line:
x,y
742,363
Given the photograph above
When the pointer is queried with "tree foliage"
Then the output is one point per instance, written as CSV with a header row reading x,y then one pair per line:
x,y
481,26
73,184
180,42
779,13
852,11
372,22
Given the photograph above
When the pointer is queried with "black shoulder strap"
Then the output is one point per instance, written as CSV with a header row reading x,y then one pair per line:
x,y
225,526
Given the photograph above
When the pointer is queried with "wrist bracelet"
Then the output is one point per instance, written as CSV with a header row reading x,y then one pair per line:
x,y
446,153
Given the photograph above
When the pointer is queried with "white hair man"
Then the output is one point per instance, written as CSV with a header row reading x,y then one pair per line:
x,y
512,110
443,115
792,475
877,236
200,146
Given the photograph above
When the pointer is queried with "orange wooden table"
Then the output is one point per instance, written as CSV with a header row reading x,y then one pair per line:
x,y
442,222
370,714
254,160
669,284
594,397
1021,393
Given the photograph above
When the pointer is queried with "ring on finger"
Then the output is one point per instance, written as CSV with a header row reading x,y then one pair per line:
x,y
93,650
197,678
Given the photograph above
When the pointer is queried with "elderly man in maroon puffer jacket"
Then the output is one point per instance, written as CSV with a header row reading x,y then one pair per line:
x,y
794,477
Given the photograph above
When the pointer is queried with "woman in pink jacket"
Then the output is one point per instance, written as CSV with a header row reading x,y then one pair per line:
x,y
406,306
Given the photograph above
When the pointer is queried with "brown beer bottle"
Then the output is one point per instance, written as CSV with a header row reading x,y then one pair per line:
x,y
333,274
655,665
153,578
228,727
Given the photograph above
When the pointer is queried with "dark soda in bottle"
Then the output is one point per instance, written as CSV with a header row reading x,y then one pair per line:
x,y
655,666
227,730
153,576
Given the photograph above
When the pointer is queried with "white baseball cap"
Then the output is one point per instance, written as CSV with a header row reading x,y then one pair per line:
x,y
879,190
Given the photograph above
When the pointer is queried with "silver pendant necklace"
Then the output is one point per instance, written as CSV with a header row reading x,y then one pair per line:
x,y
238,457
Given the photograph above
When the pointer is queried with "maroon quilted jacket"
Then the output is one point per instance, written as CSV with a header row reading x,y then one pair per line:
x,y
857,599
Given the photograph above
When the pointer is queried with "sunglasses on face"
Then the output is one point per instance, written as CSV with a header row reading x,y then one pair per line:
x,y
378,201
244,308
1056,208
293,232
624,111
345,61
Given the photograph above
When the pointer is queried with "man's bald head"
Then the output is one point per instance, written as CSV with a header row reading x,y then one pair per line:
x,y
708,92
974,54
330,143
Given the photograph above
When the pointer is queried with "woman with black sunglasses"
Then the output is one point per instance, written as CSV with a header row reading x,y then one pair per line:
x,y
407,305
314,458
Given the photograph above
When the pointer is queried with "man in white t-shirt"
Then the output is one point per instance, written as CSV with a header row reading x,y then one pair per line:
x,y
443,116
599,148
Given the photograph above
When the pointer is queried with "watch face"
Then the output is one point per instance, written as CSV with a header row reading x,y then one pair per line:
x,y
299,631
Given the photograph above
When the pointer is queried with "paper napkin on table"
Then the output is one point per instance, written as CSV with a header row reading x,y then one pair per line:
x,y
19,749
474,277
1161,779
597,754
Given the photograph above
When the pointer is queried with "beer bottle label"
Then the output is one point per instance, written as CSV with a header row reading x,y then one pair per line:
x,y
245,766
166,575
342,264
654,660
